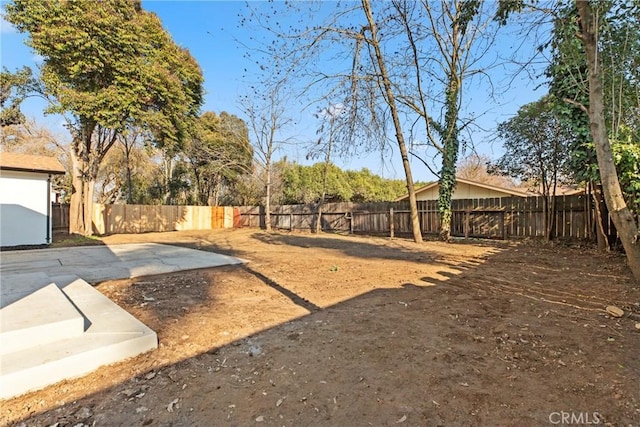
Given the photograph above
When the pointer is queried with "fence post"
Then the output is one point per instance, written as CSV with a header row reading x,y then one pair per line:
x,y
391,224
350,222
467,223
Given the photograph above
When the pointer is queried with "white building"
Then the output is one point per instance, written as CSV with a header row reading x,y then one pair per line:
x,y
25,198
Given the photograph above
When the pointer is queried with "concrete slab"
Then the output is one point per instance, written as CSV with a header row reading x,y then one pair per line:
x,y
99,263
57,326
30,370
43,317
113,335
13,287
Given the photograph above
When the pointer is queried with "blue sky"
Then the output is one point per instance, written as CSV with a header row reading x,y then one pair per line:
x,y
211,31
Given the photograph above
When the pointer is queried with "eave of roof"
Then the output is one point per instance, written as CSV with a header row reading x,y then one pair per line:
x,y
31,163
477,184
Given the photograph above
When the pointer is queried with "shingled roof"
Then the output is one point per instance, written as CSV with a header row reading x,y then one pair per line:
x,y
30,163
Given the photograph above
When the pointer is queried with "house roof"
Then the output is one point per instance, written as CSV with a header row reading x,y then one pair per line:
x,y
30,163
509,191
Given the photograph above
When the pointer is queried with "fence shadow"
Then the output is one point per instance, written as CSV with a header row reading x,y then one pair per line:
x,y
359,246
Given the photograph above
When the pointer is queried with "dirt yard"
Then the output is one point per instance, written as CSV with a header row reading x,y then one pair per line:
x,y
355,331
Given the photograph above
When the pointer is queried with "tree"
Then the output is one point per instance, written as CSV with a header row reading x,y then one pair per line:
x,y
324,146
390,98
14,88
305,185
218,152
354,73
568,76
567,72
535,143
475,168
267,119
130,143
590,25
108,65
446,41
128,171
392,65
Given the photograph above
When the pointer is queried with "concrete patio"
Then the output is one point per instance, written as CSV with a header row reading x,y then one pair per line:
x,y
54,325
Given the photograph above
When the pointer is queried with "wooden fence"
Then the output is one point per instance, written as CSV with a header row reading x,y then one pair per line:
x,y
111,219
60,217
499,218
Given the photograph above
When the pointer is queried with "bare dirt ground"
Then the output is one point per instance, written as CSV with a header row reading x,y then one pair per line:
x,y
332,330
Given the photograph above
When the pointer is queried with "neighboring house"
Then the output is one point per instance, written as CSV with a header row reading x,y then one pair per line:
x,y
466,189
25,198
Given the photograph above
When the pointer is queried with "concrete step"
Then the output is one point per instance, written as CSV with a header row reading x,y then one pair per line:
x,y
42,317
111,335
15,286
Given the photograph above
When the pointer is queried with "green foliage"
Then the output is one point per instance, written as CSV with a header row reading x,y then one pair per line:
x,y
535,143
303,184
620,50
626,154
109,65
110,62
218,153
14,88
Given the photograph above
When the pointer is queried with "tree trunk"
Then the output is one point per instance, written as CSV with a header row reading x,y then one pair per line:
x,y
388,92
318,227
267,204
620,213
127,153
446,188
76,211
601,236
88,206
81,203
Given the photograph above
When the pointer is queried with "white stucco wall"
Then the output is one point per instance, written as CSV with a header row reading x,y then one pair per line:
x,y
462,191
23,208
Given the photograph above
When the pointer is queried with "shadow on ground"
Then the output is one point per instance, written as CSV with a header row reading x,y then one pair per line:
x,y
510,340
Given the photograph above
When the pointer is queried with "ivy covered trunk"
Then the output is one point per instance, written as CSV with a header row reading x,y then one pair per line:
x,y
447,186
449,156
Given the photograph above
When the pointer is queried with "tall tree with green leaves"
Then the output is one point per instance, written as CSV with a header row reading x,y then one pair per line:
x,y
584,32
535,143
108,64
218,152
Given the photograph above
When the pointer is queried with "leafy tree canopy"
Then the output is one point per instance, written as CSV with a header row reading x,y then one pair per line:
x,y
535,143
14,89
303,184
108,62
